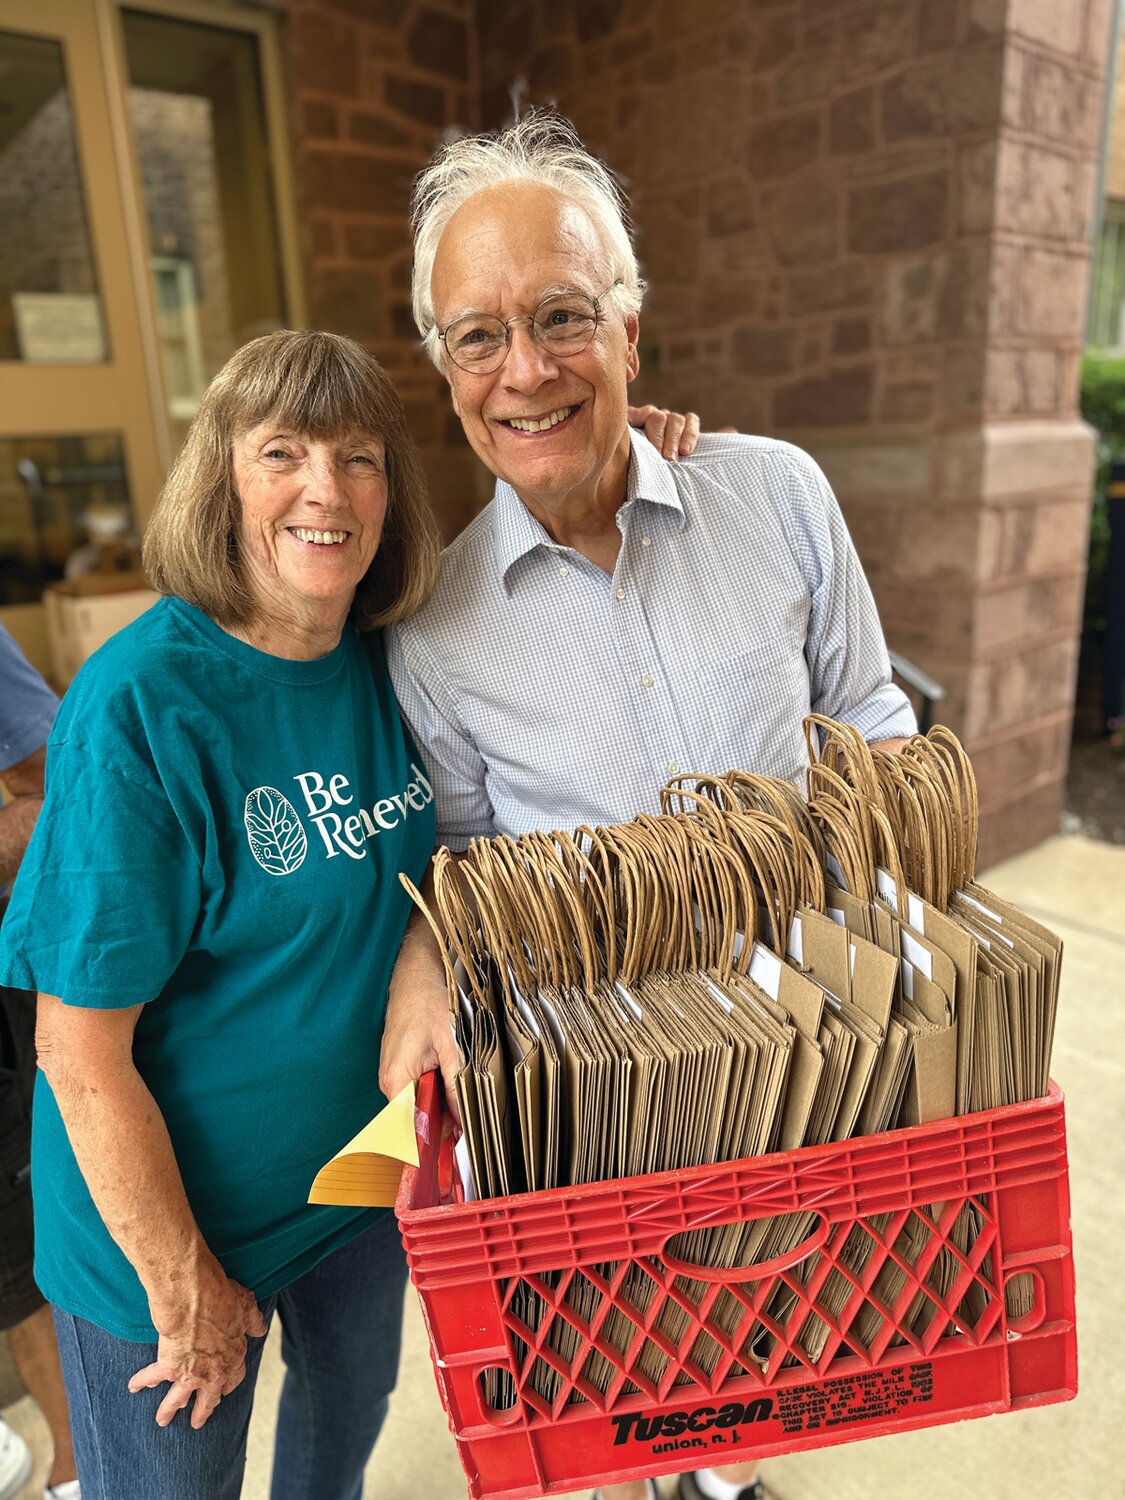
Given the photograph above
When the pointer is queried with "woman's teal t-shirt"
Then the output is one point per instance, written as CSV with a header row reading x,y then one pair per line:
x,y
221,840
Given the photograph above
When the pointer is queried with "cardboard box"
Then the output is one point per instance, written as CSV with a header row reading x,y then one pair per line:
x,y
79,621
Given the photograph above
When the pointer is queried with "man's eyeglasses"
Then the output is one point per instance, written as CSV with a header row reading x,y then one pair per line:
x,y
563,325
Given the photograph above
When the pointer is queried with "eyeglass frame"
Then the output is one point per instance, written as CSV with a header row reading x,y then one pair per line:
x,y
529,318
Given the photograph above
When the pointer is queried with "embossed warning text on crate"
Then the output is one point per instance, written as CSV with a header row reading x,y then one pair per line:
x,y
854,1398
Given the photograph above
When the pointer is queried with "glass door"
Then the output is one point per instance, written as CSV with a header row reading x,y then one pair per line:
x,y
147,203
213,178
82,427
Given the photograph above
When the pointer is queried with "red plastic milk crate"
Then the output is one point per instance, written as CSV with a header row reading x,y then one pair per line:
x,y
897,1345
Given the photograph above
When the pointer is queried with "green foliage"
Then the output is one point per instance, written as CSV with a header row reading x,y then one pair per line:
x,y
1103,406
1103,395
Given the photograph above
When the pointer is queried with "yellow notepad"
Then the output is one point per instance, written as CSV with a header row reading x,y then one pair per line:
x,y
366,1173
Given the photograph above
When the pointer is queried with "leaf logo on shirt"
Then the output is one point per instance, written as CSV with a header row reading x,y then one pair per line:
x,y
277,840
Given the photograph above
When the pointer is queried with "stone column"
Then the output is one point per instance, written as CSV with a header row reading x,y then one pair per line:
x,y
974,516
866,226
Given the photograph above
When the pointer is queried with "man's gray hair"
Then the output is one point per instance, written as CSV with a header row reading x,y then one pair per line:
x,y
542,148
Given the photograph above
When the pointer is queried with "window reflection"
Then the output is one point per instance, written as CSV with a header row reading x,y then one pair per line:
x,y
199,121
58,497
50,312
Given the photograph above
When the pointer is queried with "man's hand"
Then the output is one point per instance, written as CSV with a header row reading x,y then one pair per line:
x,y
673,433
202,1344
417,1036
24,782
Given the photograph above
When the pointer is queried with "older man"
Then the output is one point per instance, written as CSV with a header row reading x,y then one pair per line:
x,y
611,618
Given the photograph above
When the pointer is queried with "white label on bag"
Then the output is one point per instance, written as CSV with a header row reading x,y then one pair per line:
x,y
464,1168
885,885
796,942
725,1003
912,949
634,1009
765,970
993,916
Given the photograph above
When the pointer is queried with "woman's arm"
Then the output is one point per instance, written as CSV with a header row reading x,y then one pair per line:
x,y
417,1035
123,1149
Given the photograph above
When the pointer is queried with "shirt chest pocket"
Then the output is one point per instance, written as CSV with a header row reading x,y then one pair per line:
x,y
753,704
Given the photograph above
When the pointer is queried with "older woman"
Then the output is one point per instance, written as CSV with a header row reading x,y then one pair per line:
x,y
211,909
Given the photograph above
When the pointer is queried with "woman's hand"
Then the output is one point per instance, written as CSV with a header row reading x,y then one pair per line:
x,y
417,1037
202,1345
673,433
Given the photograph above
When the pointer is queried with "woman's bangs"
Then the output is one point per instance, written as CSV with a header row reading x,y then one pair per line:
x,y
317,391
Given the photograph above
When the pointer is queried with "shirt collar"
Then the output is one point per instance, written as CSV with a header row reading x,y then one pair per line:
x,y
517,532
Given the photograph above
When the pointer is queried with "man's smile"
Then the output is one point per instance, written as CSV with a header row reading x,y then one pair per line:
x,y
539,424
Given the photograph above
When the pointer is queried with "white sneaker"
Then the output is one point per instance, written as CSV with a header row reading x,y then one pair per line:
x,y
68,1490
15,1462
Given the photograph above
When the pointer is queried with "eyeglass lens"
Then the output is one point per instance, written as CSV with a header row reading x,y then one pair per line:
x,y
562,325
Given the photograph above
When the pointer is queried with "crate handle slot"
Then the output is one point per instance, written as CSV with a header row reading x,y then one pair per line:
x,y
496,1416
1027,1322
755,1271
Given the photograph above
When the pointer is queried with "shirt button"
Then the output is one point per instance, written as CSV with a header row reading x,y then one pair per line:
x,y
646,681
646,541
619,593
673,768
563,571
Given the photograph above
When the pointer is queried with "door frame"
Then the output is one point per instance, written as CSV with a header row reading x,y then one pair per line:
x,y
125,394
265,27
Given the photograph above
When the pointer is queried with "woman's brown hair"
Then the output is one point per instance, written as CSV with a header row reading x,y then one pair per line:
x,y
325,387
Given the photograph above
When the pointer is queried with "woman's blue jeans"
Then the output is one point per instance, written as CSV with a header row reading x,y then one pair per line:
x,y
341,1332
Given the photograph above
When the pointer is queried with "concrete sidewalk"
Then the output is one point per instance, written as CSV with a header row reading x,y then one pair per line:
x,y
1073,1451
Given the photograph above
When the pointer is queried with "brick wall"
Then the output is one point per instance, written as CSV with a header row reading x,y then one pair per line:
x,y
866,227
375,85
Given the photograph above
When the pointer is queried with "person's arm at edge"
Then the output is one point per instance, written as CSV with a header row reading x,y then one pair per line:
x,y
24,782
124,1152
